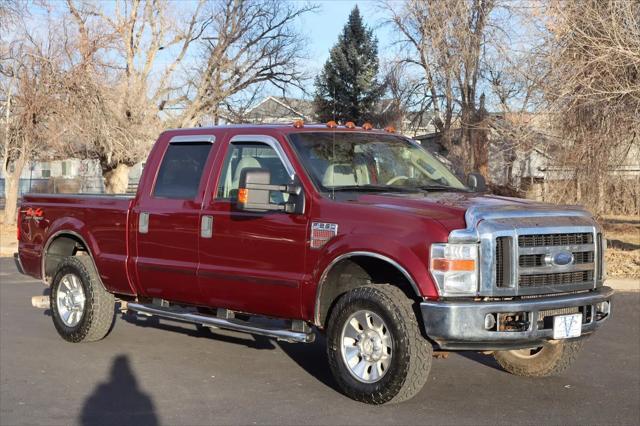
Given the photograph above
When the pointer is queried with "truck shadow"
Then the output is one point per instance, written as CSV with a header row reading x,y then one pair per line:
x,y
119,400
258,342
311,357
479,357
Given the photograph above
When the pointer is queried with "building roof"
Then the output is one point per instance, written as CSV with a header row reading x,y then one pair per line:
x,y
279,108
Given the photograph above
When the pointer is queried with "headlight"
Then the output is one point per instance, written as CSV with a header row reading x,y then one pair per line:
x,y
454,267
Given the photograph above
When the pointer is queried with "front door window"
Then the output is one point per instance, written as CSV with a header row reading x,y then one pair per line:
x,y
251,155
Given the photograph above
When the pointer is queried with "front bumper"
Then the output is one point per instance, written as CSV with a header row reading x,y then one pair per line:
x,y
460,325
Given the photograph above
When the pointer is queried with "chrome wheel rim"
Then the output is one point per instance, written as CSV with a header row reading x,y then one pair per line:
x,y
70,300
367,346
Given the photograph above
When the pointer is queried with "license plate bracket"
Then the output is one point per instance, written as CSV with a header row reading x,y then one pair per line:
x,y
567,326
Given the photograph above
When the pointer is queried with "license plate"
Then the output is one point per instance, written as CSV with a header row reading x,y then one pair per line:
x,y
567,326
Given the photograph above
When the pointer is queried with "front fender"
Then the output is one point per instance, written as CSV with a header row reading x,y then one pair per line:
x,y
411,261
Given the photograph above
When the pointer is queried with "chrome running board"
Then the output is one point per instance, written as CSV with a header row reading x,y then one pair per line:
x,y
226,323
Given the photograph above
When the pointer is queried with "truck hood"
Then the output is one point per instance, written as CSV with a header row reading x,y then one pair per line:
x,y
448,208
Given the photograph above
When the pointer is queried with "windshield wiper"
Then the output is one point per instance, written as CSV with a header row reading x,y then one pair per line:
x,y
441,188
371,188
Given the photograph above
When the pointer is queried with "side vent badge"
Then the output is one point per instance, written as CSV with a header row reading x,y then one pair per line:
x,y
321,233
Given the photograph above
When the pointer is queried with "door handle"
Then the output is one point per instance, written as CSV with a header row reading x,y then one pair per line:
x,y
206,226
143,223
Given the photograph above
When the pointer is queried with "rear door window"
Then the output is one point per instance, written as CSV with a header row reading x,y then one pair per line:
x,y
181,170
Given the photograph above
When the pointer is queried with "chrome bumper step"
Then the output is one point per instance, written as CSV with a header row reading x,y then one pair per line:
x,y
227,323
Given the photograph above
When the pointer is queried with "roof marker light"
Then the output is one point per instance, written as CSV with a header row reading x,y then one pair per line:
x,y
332,124
367,126
350,125
298,124
390,129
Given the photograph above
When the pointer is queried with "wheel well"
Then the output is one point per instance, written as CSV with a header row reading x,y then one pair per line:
x,y
358,271
62,246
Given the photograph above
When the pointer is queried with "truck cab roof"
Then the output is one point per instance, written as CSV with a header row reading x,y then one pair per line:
x,y
282,128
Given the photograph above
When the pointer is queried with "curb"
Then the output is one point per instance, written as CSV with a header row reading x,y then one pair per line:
x,y
623,284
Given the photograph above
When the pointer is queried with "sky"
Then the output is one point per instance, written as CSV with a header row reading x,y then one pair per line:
x,y
323,27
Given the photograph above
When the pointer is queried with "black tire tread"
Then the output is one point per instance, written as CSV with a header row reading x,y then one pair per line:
x,y
420,350
99,306
555,357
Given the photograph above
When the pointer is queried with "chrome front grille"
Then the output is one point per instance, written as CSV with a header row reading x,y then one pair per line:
x,y
561,278
529,265
533,242
540,240
533,260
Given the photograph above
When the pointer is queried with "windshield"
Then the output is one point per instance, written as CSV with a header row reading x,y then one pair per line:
x,y
375,162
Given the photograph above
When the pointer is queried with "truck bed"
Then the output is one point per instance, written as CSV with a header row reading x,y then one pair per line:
x,y
99,221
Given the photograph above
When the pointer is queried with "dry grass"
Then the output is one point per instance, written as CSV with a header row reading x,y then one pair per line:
x,y
623,245
8,243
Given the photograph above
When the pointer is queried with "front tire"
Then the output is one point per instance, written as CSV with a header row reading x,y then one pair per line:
x,y
552,358
82,310
376,351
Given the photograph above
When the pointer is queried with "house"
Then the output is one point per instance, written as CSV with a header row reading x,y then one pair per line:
x,y
275,109
524,156
512,163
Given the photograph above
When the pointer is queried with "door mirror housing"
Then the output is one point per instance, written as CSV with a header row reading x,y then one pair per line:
x,y
476,182
254,193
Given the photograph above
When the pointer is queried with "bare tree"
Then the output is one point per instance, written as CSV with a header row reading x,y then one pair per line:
x,y
10,11
248,43
135,69
514,74
29,82
593,92
445,41
410,108
123,66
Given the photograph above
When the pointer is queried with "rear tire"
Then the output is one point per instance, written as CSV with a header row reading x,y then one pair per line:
x,y
376,351
82,310
552,358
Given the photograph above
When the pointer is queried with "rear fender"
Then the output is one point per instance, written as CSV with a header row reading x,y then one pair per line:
x,y
74,228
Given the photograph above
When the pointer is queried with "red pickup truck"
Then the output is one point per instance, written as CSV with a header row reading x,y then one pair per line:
x,y
360,234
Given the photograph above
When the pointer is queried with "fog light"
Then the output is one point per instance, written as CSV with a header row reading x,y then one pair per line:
x,y
603,308
489,321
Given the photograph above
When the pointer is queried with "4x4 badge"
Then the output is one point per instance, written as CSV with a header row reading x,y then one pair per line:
x,y
35,214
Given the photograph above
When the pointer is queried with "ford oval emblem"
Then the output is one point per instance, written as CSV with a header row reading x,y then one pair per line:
x,y
562,258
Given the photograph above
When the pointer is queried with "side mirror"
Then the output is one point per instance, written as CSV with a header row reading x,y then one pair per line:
x,y
254,193
476,182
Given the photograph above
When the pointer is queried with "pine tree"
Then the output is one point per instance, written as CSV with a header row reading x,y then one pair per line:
x,y
348,88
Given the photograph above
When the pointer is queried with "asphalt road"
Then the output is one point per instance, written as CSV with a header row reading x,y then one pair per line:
x,y
167,373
